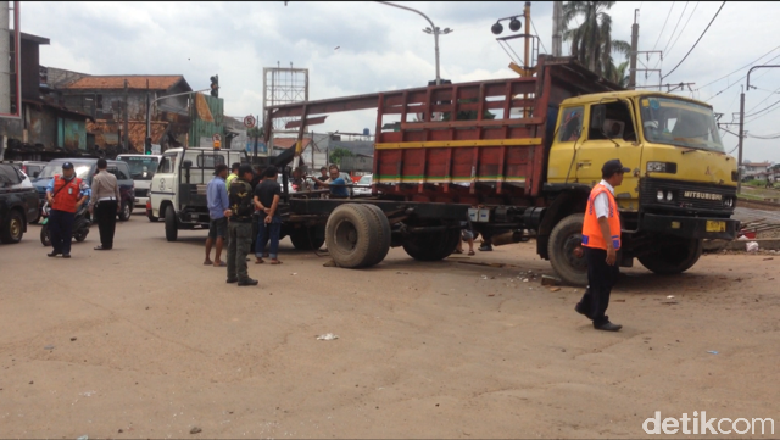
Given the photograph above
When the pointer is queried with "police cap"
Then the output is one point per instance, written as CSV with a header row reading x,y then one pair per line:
x,y
67,165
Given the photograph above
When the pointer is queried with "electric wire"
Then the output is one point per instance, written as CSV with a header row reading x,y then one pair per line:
x,y
664,26
696,6
738,80
537,33
697,41
737,70
685,8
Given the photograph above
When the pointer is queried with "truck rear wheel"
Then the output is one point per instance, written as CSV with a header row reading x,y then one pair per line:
x,y
351,233
566,236
171,224
432,246
673,256
308,238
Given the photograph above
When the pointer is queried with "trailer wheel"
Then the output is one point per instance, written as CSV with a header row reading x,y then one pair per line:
x,y
672,257
382,231
171,225
566,236
308,238
432,246
349,233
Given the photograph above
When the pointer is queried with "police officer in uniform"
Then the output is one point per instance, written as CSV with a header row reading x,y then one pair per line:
x,y
65,194
601,242
242,207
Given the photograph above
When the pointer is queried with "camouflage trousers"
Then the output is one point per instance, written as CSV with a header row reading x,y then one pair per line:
x,y
240,242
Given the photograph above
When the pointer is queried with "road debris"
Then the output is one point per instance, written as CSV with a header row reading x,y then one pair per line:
x,y
769,258
327,337
195,430
712,352
48,347
479,263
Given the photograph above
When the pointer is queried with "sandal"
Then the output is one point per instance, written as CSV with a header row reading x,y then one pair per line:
x,y
220,264
276,262
471,253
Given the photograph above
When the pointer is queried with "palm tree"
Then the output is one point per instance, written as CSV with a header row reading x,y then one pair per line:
x,y
591,42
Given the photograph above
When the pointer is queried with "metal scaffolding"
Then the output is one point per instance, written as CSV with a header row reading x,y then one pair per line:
x,y
284,85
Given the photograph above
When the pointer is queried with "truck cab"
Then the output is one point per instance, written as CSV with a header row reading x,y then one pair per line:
x,y
178,188
142,169
682,184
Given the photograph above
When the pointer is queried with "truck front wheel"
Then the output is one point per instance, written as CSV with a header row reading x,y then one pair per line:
x,y
672,256
566,236
171,224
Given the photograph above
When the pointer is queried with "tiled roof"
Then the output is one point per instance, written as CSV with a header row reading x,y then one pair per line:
x,y
133,82
756,164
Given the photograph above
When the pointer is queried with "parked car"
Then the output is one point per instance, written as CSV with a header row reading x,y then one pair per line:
x,y
33,168
18,205
365,180
85,169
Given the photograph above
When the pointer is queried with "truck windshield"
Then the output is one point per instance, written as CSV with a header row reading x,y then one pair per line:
x,y
681,123
55,169
141,167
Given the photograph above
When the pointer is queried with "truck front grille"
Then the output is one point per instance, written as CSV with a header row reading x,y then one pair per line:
x,y
686,196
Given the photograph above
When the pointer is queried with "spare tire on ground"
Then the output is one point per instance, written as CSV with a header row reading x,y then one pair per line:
x,y
354,236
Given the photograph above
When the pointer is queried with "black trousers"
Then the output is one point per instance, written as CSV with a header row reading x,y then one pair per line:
x,y
601,278
105,215
61,231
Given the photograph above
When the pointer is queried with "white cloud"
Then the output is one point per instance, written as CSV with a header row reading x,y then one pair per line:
x,y
383,48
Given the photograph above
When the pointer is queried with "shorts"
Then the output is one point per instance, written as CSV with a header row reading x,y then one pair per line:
x,y
218,228
467,235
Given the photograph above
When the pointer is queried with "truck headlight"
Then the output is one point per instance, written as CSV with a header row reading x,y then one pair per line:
x,y
669,196
728,202
661,167
660,196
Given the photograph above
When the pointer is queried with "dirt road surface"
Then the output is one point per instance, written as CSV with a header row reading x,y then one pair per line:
x,y
146,342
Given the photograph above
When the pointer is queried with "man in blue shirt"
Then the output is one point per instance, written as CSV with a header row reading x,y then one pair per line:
x,y
336,182
217,201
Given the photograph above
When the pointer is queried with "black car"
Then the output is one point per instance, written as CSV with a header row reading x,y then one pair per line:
x,y
85,169
19,205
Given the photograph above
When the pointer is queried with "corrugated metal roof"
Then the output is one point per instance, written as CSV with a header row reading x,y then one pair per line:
x,y
133,82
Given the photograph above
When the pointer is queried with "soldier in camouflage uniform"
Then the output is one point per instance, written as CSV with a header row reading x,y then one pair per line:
x,y
240,197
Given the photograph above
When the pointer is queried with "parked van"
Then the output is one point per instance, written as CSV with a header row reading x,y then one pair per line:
x,y
142,169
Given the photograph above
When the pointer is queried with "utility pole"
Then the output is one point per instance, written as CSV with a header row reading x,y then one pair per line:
x,y
557,30
741,135
633,54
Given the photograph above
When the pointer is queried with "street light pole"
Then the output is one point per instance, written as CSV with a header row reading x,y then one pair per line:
x,y
742,121
429,30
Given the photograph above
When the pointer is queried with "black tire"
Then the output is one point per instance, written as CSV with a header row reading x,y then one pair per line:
x,y
308,238
350,235
82,230
171,224
45,237
565,237
673,256
382,231
153,219
13,229
124,215
432,246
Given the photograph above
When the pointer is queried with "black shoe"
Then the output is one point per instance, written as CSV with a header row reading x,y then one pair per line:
x,y
101,248
65,255
231,280
578,309
54,253
486,247
608,326
247,282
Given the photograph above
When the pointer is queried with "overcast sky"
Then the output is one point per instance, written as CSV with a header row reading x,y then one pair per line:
x,y
384,48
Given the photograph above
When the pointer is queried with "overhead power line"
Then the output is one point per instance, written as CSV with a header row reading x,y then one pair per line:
x,y
685,25
682,14
741,68
697,41
774,92
663,27
738,81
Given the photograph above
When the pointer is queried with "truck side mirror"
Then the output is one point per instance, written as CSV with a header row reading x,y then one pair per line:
x,y
187,164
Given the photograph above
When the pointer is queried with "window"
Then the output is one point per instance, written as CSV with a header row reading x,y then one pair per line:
x,y
210,161
167,163
121,172
8,176
677,122
571,124
611,121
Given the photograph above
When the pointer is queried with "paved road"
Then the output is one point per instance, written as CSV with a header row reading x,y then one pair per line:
x,y
748,214
145,342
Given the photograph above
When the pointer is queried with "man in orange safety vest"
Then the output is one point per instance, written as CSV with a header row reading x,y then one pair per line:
x,y
601,241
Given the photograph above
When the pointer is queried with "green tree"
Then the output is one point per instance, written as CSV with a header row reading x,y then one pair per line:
x,y
591,42
255,131
337,154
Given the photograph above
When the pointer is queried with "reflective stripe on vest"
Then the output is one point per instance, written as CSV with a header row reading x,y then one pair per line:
x,y
591,231
67,194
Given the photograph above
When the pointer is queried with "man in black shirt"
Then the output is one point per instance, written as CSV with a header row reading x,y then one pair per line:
x,y
240,227
267,195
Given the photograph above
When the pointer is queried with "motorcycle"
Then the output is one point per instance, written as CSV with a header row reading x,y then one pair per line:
x,y
81,224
